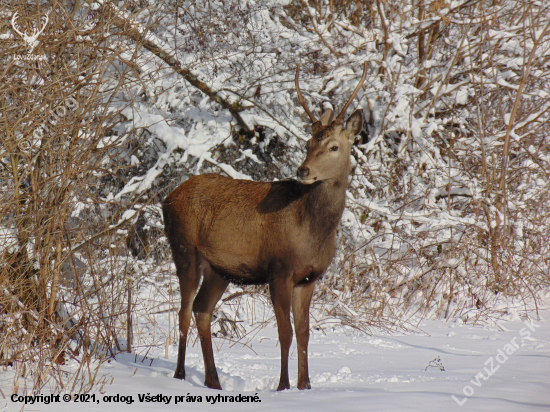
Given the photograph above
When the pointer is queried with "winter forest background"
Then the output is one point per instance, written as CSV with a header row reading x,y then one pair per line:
x,y
115,103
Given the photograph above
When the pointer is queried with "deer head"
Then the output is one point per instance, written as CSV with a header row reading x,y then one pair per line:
x,y
30,39
328,151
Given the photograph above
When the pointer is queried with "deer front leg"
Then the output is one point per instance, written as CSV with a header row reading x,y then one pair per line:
x,y
281,295
301,299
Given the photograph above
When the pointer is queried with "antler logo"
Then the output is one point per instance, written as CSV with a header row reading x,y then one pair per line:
x,y
30,39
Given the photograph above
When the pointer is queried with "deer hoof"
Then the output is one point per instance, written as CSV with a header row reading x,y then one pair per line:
x,y
282,386
306,385
179,374
213,385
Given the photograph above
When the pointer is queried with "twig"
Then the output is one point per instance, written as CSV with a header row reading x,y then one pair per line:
x,y
135,31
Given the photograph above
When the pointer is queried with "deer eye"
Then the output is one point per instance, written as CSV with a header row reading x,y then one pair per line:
x,y
334,148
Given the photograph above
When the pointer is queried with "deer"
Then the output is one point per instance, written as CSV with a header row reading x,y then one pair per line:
x,y
280,233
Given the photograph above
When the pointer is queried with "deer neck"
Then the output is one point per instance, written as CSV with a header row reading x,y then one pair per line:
x,y
324,204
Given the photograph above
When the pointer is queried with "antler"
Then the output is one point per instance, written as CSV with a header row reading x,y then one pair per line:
x,y
14,25
35,35
300,97
340,117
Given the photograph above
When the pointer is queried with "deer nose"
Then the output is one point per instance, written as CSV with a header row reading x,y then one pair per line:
x,y
303,172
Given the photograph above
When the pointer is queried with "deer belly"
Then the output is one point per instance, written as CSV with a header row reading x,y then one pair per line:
x,y
237,268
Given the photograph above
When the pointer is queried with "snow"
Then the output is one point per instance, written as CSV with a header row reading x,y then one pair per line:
x,y
349,371
8,240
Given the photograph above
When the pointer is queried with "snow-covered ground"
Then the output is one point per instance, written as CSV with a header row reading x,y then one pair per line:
x,y
349,371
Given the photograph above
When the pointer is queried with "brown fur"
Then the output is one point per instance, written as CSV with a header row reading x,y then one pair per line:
x,y
279,233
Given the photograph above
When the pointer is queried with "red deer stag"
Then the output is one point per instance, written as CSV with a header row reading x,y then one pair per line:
x,y
280,233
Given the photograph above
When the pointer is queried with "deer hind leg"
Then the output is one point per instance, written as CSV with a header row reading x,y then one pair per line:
x,y
301,299
211,291
281,294
188,276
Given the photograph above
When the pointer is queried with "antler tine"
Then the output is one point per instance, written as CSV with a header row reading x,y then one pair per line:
x,y
301,98
13,18
45,23
340,117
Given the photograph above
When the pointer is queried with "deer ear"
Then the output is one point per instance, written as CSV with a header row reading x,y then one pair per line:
x,y
326,118
354,124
